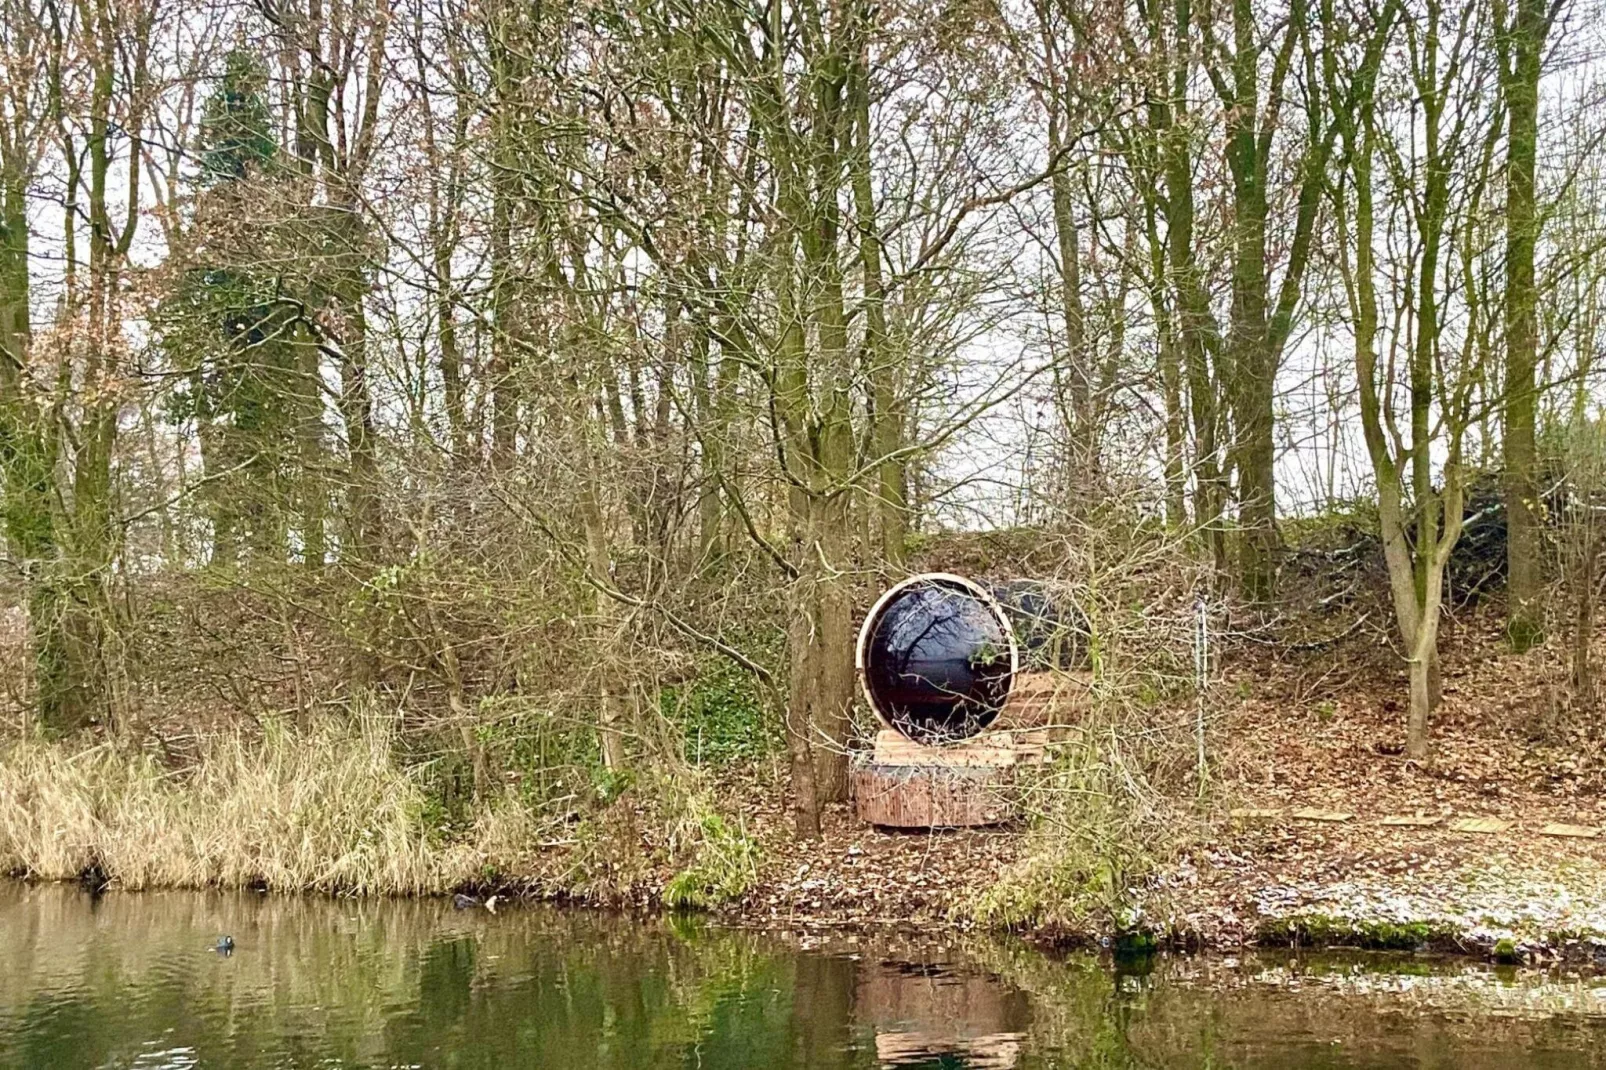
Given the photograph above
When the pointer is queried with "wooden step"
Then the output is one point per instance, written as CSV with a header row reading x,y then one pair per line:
x,y
1004,749
1043,698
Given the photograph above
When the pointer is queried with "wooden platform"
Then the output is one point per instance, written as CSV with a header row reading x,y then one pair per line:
x,y
1040,699
1005,748
904,784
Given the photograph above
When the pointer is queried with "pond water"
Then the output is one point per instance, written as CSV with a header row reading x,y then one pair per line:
x,y
131,980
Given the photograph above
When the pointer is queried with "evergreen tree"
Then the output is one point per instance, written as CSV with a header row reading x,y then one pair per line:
x,y
236,125
227,320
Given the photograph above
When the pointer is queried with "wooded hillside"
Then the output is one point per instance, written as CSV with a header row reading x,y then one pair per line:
x,y
561,379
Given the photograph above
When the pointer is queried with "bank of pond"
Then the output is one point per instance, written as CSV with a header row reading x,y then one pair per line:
x,y
146,980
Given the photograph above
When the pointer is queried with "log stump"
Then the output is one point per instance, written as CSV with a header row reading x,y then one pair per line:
x,y
928,797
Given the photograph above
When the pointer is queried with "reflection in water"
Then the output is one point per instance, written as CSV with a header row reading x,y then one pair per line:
x,y
134,981
937,661
927,1011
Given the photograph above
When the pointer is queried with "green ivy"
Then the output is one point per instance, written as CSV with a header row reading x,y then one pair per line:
x,y
722,716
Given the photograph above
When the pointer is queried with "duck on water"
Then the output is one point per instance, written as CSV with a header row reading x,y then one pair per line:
x,y
468,902
225,943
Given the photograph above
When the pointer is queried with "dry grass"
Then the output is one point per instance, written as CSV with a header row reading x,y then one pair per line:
x,y
331,810
325,810
1123,796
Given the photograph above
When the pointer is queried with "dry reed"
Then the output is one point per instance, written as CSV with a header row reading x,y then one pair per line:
x,y
325,810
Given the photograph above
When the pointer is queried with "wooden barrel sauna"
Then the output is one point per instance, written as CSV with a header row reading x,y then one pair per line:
x,y
940,660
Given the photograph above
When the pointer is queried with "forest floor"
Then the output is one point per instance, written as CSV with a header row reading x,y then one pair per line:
x,y
1327,737
1320,732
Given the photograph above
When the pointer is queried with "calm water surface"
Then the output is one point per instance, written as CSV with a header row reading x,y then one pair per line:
x,y
131,981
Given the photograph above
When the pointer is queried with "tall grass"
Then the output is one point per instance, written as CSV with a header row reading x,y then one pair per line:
x,y
323,810
1101,831
332,809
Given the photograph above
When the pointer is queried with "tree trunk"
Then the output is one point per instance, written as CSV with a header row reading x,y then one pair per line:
x,y
504,328
1255,461
1415,571
86,610
831,536
451,355
1170,368
833,682
1250,356
310,488
1584,624
1416,736
812,391
800,641
1194,328
1073,375
357,411
710,455
599,560
885,371
820,637
1425,644
1520,78
28,462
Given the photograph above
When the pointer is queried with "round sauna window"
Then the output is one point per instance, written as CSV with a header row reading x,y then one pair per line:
x,y
938,658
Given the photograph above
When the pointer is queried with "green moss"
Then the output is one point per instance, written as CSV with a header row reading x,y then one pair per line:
x,y
1136,943
1505,952
1322,930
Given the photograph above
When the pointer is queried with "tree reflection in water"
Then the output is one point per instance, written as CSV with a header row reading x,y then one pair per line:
x,y
130,980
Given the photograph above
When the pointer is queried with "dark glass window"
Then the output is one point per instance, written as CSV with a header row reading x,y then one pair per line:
x,y
937,662
1050,631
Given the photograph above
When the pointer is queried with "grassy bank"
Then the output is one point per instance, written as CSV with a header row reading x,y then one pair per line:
x,y
1103,856
378,791
289,811
334,810
444,729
